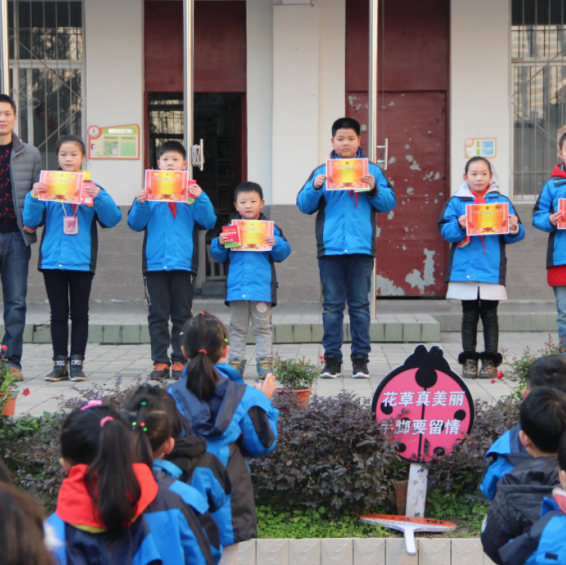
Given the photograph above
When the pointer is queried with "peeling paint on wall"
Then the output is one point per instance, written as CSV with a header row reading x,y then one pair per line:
x,y
409,158
385,287
407,146
390,215
427,279
410,190
392,160
415,166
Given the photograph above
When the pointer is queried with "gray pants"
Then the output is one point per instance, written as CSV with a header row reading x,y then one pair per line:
x,y
260,313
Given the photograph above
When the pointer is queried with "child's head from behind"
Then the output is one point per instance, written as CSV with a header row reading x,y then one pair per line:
x,y
172,157
549,371
151,425
71,153
21,529
205,342
248,200
478,174
96,436
346,137
543,421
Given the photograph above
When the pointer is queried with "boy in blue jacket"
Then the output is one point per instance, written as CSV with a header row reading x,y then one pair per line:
x,y
252,283
546,215
346,239
170,262
508,451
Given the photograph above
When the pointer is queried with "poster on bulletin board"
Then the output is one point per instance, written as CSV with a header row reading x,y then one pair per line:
x,y
481,147
114,142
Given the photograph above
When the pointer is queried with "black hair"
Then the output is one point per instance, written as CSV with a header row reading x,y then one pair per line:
x,y
247,186
150,422
5,475
173,147
543,418
475,160
107,450
346,123
9,100
561,454
549,371
69,139
204,340
561,141
21,529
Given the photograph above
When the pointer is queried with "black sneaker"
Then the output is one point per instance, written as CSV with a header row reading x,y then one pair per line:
x,y
59,372
160,372
360,368
332,368
76,368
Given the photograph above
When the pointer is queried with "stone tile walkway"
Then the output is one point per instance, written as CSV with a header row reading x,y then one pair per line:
x,y
106,363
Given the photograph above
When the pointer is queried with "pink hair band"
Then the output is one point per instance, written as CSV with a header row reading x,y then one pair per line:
x,y
91,404
104,420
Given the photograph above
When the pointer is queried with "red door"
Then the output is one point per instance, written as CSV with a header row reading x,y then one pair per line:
x,y
411,255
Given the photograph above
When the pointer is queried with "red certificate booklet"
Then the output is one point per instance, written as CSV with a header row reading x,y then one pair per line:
x,y
233,233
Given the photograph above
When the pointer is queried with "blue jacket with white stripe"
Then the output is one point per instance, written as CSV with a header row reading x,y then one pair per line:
x,y
251,274
171,244
70,252
238,422
473,263
346,221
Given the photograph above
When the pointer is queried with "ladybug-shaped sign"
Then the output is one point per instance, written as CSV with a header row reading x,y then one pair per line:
x,y
424,406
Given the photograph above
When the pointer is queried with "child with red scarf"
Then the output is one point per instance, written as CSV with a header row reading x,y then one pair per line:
x,y
477,266
546,217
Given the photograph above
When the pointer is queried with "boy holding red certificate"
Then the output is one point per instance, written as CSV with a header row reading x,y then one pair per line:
x,y
251,286
477,265
170,261
548,217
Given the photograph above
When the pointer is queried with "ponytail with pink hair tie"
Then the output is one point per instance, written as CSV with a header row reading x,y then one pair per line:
x,y
91,404
106,419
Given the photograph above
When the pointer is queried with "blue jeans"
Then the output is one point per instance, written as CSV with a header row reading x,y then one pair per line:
x,y
14,263
560,293
346,278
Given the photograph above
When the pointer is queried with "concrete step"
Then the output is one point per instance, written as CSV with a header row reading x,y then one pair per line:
x,y
508,321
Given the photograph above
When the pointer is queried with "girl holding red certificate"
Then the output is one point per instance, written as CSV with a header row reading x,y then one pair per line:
x,y
477,266
68,257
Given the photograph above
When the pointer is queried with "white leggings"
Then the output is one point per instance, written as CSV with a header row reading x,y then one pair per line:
x,y
229,555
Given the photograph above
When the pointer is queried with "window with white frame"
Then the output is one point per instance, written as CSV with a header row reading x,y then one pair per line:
x,y
46,41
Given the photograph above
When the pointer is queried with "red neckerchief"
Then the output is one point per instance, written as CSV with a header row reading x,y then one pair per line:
x,y
75,505
173,208
352,192
478,199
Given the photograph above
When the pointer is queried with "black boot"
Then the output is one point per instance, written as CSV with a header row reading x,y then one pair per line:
x,y
76,368
469,358
59,372
490,359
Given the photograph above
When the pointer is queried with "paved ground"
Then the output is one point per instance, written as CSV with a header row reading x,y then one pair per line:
x,y
105,363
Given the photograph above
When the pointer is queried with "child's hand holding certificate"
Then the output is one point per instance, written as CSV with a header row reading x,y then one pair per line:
x,y
232,234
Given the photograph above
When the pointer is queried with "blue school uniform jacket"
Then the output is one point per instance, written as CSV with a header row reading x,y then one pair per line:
x,y
177,531
167,475
501,459
346,221
547,204
251,274
543,544
70,252
171,244
471,263
238,422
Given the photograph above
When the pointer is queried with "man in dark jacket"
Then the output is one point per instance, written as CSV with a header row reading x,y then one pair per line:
x,y
20,165
520,493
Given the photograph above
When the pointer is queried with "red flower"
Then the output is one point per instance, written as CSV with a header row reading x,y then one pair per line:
x,y
4,348
492,381
26,391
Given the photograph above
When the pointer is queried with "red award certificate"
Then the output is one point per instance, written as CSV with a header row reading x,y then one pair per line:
x,y
487,219
62,186
233,234
166,186
562,207
253,234
346,174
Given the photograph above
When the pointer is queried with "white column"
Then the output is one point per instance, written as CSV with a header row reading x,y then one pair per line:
x,y
259,37
114,50
480,79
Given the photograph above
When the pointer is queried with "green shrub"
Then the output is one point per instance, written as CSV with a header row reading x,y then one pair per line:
x,y
295,374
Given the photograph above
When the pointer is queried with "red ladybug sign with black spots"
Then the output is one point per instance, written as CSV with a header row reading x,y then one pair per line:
x,y
424,406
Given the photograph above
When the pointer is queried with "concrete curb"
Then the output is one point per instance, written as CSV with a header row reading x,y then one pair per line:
x,y
508,322
361,551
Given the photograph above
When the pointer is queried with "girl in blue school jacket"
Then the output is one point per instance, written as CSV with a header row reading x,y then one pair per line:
x,y
477,266
101,503
237,421
151,418
67,257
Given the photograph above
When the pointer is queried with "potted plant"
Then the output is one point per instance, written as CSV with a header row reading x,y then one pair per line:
x,y
8,387
297,378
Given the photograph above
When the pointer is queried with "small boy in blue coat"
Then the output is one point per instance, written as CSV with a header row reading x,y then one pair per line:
x,y
252,283
508,451
170,262
346,239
